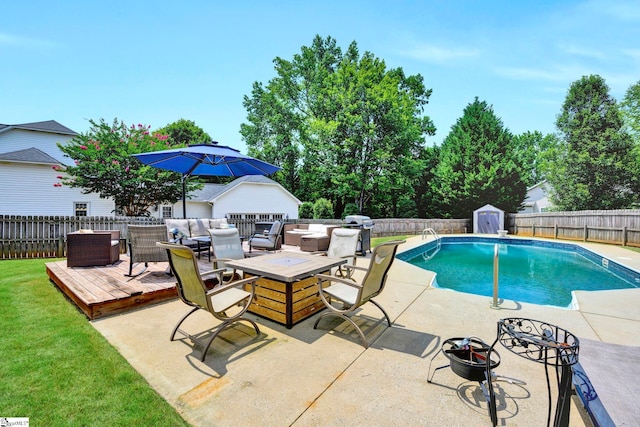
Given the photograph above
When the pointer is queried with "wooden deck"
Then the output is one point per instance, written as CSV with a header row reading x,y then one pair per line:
x,y
104,291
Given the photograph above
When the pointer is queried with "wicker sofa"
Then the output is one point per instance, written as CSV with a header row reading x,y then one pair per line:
x,y
193,227
88,248
293,233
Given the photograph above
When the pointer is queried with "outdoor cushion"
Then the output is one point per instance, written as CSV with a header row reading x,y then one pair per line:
x,y
218,223
199,227
318,228
181,224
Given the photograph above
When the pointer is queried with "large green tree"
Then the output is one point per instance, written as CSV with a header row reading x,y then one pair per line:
x,y
103,164
479,164
342,126
630,106
184,132
592,165
530,147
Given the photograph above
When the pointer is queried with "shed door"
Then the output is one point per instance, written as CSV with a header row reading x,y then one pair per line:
x,y
488,222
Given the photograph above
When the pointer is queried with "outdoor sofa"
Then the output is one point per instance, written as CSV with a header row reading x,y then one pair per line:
x,y
294,232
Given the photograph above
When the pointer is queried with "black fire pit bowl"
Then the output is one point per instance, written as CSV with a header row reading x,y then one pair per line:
x,y
468,357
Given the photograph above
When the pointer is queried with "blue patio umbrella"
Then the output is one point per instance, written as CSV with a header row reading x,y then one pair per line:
x,y
206,160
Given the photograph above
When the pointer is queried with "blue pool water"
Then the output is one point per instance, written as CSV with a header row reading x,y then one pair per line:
x,y
531,271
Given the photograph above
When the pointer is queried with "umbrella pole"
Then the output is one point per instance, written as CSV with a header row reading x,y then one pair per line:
x,y
184,197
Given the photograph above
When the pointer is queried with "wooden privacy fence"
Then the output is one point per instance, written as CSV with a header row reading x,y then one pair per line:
x,y
415,226
618,227
45,237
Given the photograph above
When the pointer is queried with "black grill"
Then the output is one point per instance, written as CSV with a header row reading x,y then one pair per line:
x,y
365,224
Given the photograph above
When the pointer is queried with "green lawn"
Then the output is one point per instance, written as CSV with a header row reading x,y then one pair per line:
x,y
56,369
375,241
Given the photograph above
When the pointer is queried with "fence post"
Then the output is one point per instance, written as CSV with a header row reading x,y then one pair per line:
x,y
60,251
555,231
624,236
533,230
586,231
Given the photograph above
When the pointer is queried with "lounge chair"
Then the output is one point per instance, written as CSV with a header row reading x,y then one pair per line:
x,y
142,246
351,294
221,301
344,244
270,241
226,245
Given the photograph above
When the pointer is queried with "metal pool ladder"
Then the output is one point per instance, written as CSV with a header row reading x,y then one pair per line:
x,y
425,255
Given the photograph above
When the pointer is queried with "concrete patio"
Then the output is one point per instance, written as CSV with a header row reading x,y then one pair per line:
x,y
307,377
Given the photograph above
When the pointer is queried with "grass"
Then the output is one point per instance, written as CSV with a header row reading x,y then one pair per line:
x,y
57,369
375,241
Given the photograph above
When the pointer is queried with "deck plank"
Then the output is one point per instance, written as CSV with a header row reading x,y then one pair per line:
x,y
105,290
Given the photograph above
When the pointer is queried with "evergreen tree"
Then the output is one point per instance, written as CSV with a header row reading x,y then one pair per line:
x,y
592,164
479,164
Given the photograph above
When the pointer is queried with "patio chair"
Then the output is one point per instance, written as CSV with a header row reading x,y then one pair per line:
x,y
227,302
226,245
343,244
269,241
352,294
142,246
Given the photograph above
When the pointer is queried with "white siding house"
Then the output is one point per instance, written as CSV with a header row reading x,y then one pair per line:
x,y
28,154
247,197
537,199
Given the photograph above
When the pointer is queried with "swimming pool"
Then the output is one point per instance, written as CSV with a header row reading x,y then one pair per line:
x,y
532,271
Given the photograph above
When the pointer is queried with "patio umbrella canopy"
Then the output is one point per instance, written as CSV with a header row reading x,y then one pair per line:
x,y
206,160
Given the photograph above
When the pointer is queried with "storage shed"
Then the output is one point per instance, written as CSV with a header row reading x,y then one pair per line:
x,y
488,220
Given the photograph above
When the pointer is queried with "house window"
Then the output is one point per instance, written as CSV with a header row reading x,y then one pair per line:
x,y
167,212
81,209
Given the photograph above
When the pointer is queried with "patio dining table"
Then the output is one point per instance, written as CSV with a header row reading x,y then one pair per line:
x,y
286,291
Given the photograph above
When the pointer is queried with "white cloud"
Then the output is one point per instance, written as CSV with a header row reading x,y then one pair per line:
x,y
633,53
619,9
17,41
557,74
580,51
438,54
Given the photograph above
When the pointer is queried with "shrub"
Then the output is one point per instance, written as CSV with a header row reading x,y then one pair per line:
x,y
350,209
305,210
323,209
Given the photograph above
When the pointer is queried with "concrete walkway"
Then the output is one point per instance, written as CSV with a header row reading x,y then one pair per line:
x,y
307,377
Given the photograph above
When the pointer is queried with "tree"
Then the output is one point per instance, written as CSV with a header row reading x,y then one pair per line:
x,y
103,164
184,132
478,164
530,149
591,166
426,201
630,107
342,127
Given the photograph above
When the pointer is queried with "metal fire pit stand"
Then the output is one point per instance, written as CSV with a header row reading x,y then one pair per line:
x,y
468,358
543,343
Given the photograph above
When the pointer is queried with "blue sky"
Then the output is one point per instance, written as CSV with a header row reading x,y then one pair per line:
x,y
154,62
